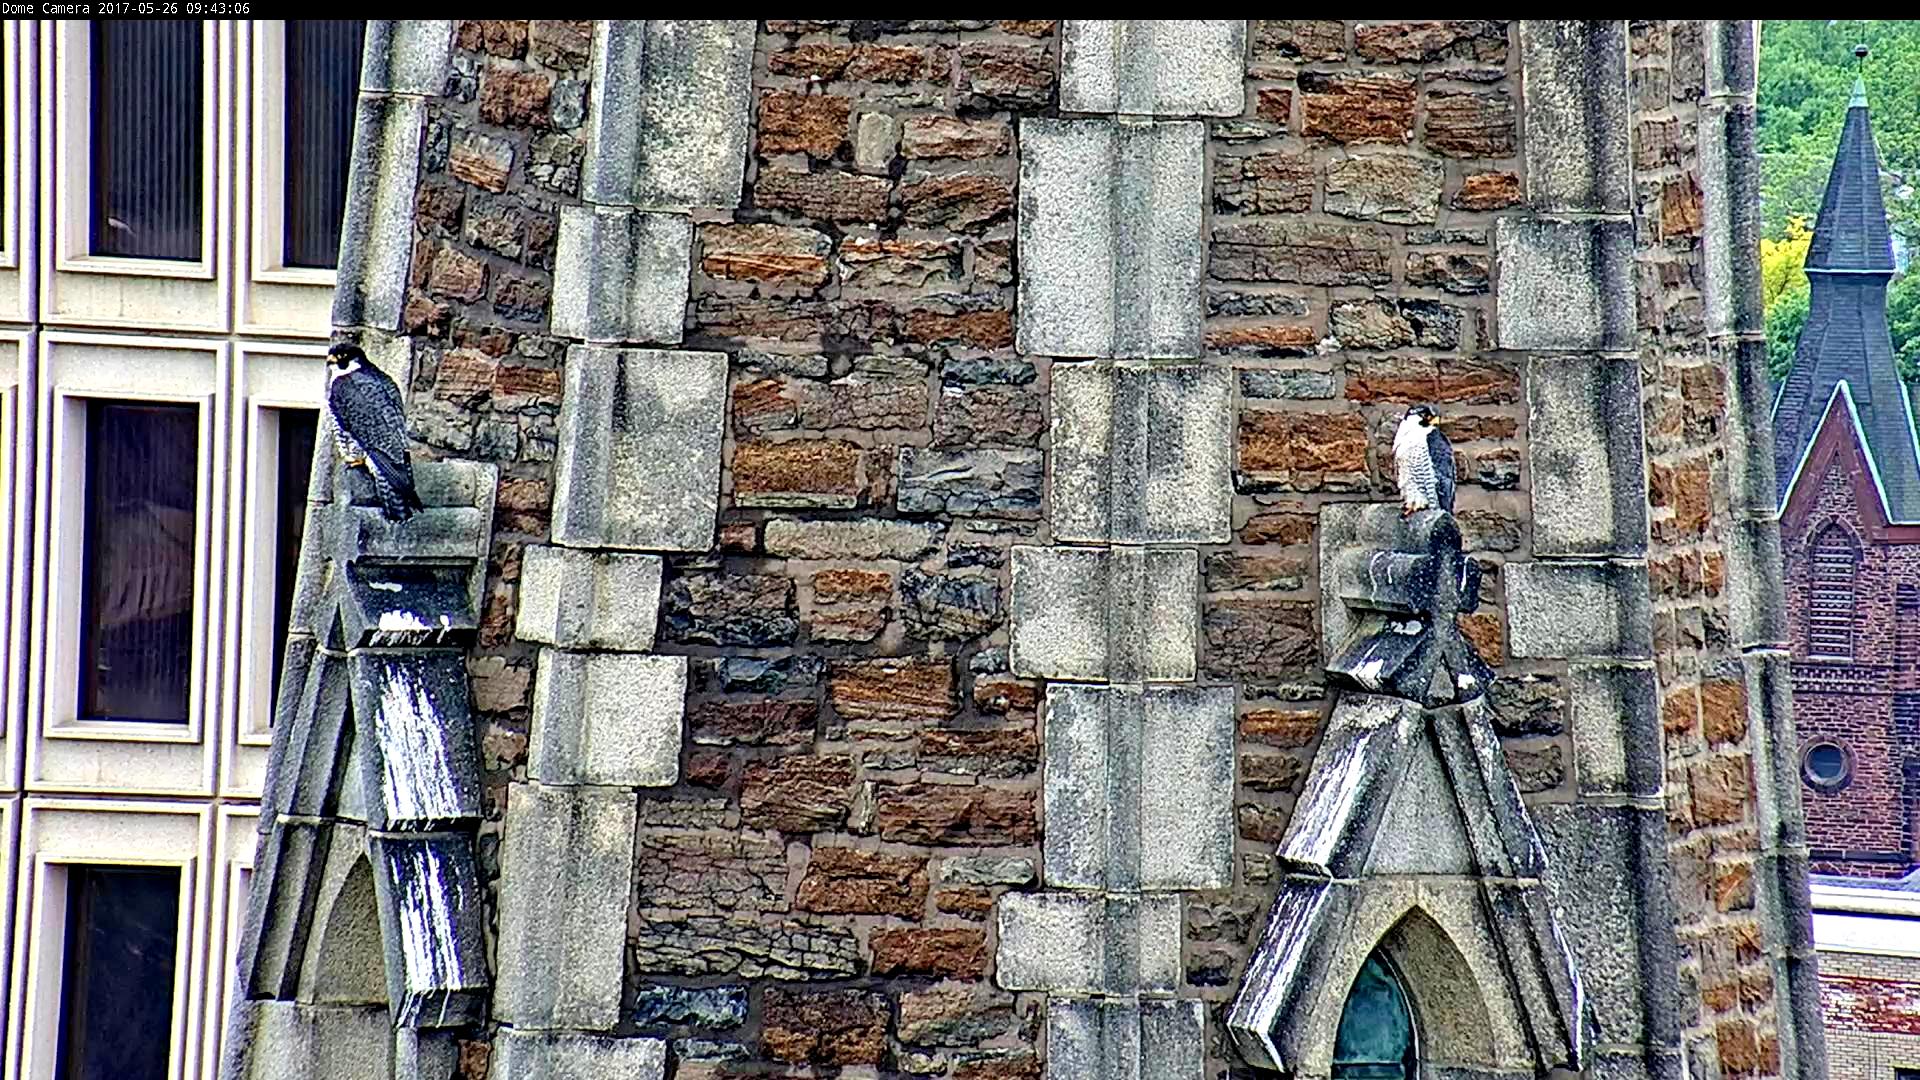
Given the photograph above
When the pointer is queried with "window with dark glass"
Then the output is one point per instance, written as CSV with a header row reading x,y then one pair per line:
x,y
147,139
322,81
116,994
294,434
1825,765
137,580
1375,1038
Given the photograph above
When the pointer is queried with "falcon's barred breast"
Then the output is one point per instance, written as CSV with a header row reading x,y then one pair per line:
x,y
370,423
1423,462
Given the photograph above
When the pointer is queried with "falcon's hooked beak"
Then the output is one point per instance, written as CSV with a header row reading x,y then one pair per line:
x,y
1424,413
345,358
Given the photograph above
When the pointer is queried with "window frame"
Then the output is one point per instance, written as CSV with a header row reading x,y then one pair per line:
x,y
81,288
1818,616
74,368
15,423
57,834
16,56
1826,787
235,836
274,298
266,377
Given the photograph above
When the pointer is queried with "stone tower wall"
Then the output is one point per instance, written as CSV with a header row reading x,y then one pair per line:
x,y
1007,378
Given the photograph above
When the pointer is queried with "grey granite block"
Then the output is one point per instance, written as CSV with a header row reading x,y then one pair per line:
x,y
406,56
376,234
1565,284
1114,614
1575,107
541,1055
639,456
607,718
667,113
1560,610
1154,67
620,275
588,600
1142,453
1588,457
1110,237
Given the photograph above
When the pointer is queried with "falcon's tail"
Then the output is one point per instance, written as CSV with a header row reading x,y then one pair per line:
x,y
398,500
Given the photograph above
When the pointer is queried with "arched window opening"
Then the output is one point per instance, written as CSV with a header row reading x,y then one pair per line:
x,y
1375,1040
1830,606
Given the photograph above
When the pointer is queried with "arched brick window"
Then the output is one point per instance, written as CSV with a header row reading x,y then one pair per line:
x,y
1830,599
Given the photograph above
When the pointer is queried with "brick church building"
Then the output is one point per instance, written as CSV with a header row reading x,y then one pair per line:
x,y
1849,482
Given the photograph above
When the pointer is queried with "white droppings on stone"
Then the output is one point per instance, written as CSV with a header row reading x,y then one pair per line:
x,y
413,761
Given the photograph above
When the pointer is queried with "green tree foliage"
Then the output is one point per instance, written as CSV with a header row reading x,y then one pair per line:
x,y
1807,70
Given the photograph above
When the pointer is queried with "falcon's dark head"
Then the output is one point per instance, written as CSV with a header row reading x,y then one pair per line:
x,y
345,357
1424,413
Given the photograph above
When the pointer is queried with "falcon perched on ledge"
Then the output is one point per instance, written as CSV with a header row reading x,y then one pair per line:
x,y
370,427
1424,460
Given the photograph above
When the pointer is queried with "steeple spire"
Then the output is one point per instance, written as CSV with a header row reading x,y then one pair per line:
x,y
1845,341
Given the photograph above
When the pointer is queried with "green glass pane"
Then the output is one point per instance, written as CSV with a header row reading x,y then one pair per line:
x,y
1376,1027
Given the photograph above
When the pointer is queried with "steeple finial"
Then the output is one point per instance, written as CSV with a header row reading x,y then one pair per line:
x,y
1859,81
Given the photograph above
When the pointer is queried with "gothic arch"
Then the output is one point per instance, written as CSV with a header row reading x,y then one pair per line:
x,y
1833,554
348,965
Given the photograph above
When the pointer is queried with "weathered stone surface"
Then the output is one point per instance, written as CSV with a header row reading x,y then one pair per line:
x,y
795,122
977,415
1304,253
936,952
993,752
566,869
1356,108
1398,188
1119,614
1298,384
875,136
848,881
607,718
1459,272
1007,76
1470,124
1271,183
1565,284
769,253
1259,638
588,600
879,393
952,1014
1086,943
742,946
730,609
1299,39
621,275
1140,453
1153,67
566,1055
954,814
970,483
830,196
1613,711
920,690
1578,609
797,794
639,449
1088,288
868,263
1139,787
310,1042
1299,449
754,723
798,473
1488,191
825,1027
926,137
1589,477
863,539
961,201
947,607
709,871
1481,41
1577,112
708,1007
667,112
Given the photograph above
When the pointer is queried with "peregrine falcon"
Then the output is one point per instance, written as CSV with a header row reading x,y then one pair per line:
x,y
370,427
1424,460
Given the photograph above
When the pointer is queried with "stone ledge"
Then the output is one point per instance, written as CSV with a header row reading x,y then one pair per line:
x,y
528,1055
1154,67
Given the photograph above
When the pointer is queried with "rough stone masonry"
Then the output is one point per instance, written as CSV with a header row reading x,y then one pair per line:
x,y
900,645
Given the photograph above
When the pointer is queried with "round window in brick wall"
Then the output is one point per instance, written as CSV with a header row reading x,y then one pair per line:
x,y
1826,765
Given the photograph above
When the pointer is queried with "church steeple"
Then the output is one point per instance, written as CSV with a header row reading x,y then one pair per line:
x,y
1845,356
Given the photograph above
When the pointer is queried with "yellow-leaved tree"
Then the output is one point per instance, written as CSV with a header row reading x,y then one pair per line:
x,y
1783,262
